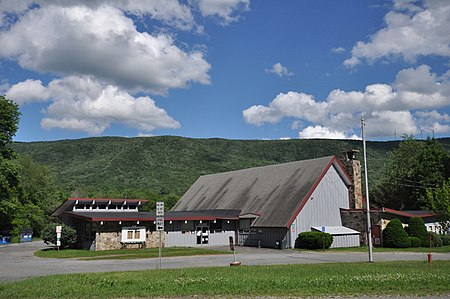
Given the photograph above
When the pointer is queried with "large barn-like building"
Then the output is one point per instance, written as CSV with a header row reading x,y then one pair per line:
x,y
263,206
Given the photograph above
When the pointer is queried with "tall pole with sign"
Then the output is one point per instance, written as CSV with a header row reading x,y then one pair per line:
x,y
160,225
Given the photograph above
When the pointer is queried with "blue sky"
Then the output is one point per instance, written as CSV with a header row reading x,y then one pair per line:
x,y
237,69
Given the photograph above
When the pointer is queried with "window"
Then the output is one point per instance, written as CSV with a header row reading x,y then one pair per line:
x,y
133,235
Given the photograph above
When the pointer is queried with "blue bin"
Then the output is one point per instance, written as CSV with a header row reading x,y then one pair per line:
x,y
5,240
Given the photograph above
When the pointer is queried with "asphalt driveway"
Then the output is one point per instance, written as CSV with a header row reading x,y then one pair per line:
x,y
19,262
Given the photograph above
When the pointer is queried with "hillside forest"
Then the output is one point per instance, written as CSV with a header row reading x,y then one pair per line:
x,y
36,177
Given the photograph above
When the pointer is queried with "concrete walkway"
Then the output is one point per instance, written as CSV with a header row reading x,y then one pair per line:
x,y
18,261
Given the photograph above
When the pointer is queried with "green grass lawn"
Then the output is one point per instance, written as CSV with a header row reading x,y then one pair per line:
x,y
343,279
441,249
125,254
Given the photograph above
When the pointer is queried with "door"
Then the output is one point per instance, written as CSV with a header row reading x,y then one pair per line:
x,y
202,234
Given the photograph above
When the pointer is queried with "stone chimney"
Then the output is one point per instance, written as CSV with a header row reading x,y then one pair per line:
x,y
353,169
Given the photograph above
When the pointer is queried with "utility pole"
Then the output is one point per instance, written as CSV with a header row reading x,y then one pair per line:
x,y
369,229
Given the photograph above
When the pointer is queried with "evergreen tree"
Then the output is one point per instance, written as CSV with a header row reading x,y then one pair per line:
x,y
417,229
395,236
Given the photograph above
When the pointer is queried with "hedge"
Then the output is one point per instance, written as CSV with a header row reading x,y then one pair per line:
x,y
445,240
314,240
417,229
415,242
395,236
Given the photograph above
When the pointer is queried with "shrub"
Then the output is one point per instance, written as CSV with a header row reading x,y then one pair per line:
x,y
417,229
415,242
314,240
445,240
68,235
395,236
437,240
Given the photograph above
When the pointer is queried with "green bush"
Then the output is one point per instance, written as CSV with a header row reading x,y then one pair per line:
x,y
314,240
395,236
445,240
437,240
415,242
417,229
68,235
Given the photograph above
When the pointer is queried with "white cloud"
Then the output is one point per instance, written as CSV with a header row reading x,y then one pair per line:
x,y
388,123
320,132
27,91
338,50
104,43
85,104
226,10
280,70
411,30
170,12
291,104
402,107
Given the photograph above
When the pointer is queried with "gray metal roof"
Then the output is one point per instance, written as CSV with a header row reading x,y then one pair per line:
x,y
275,192
336,230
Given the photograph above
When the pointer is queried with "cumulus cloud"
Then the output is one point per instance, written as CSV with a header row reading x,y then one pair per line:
x,y
291,104
311,132
104,43
85,104
412,29
170,12
280,70
226,10
338,50
28,91
408,104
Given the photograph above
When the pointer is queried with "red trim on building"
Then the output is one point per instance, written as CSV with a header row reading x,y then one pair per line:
x,y
107,199
313,188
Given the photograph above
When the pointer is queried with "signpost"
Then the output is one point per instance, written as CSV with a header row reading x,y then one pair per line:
x,y
160,225
323,238
58,235
235,262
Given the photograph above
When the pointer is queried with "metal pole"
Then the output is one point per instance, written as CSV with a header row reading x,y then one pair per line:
x,y
160,245
369,230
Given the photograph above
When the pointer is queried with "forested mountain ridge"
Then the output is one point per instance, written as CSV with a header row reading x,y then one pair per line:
x,y
127,167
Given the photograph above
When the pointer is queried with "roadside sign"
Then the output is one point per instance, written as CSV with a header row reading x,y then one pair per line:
x,y
159,209
159,223
323,229
58,228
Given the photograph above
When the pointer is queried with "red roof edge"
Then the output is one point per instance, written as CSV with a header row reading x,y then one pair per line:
x,y
108,199
313,188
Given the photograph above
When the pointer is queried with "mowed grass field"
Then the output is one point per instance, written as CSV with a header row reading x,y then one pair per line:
x,y
343,279
126,254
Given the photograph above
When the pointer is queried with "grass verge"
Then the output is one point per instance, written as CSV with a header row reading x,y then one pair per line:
x,y
442,249
343,279
125,254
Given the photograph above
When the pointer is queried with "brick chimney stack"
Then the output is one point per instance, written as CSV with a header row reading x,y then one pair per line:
x,y
353,169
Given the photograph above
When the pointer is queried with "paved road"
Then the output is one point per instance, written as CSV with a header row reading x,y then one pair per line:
x,y
18,261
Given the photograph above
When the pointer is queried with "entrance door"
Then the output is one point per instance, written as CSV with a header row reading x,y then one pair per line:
x,y
202,234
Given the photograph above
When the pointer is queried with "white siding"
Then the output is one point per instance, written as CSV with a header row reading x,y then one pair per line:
x,y
177,238
322,208
345,241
